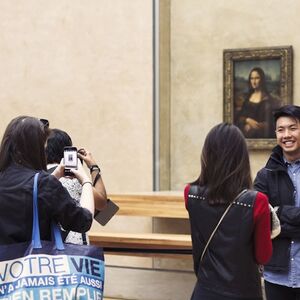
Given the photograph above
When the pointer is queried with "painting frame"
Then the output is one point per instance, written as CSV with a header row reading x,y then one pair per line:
x,y
280,56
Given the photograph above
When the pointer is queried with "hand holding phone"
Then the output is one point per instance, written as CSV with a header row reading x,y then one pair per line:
x,y
80,173
70,160
86,156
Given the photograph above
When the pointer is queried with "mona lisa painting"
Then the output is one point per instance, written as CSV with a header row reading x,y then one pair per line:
x,y
256,82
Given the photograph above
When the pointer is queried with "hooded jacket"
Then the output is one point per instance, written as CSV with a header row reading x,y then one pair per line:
x,y
274,181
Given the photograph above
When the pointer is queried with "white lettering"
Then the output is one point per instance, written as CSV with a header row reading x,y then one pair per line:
x,y
33,265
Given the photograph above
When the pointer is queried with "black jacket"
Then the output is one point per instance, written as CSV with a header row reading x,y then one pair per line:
x,y
228,266
54,203
274,181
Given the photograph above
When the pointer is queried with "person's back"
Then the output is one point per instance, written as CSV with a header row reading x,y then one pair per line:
x,y
16,186
22,155
229,267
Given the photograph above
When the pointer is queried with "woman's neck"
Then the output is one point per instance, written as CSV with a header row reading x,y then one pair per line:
x,y
256,96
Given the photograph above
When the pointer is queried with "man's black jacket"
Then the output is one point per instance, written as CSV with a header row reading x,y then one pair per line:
x,y
274,181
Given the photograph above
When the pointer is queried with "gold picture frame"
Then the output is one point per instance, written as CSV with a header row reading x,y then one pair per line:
x,y
273,67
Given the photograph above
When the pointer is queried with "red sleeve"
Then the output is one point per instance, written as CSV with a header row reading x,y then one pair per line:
x,y
262,229
186,194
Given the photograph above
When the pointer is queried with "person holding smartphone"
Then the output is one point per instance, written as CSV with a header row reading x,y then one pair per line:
x,y
22,155
59,145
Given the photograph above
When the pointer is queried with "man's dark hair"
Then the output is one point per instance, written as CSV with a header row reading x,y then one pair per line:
x,y
292,111
225,166
57,140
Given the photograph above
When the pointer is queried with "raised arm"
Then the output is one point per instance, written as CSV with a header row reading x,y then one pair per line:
x,y
99,190
87,197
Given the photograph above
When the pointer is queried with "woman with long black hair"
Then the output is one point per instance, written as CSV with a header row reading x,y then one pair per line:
x,y
22,155
228,268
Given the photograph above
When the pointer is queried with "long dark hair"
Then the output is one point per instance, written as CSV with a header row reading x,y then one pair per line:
x,y
57,140
262,84
225,166
23,143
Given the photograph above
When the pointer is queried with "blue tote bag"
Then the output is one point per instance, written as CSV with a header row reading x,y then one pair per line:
x,y
45,270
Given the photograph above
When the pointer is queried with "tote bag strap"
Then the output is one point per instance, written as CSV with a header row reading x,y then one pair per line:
x,y
36,237
220,221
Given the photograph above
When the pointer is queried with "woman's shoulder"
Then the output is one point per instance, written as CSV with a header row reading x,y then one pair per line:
x,y
256,195
186,190
44,175
18,175
193,190
49,182
261,201
189,191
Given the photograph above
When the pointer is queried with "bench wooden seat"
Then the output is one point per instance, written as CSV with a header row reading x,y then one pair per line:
x,y
142,240
145,244
154,204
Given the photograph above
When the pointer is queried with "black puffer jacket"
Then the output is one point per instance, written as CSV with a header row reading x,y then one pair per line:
x,y
274,181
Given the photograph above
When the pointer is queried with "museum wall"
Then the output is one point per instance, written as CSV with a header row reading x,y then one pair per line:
x,y
87,67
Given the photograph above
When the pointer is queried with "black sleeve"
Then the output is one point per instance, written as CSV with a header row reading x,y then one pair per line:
x,y
289,231
197,249
61,207
196,255
286,213
260,182
289,214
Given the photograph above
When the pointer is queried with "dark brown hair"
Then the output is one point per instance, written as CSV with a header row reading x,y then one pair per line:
x,y
225,166
289,110
23,143
57,140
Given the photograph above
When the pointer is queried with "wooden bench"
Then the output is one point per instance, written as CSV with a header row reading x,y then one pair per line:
x,y
154,204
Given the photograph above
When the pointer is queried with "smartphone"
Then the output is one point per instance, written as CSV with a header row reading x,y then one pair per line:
x,y
70,160
103,216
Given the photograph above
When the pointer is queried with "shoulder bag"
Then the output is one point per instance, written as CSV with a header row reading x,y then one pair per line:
x,y
50,269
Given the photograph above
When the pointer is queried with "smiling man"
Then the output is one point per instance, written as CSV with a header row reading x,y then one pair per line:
x,y
280,181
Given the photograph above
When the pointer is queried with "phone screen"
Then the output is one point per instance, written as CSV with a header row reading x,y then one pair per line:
x,y
70,158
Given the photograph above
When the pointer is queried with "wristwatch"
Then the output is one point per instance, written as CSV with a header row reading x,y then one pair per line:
x,y
95,168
